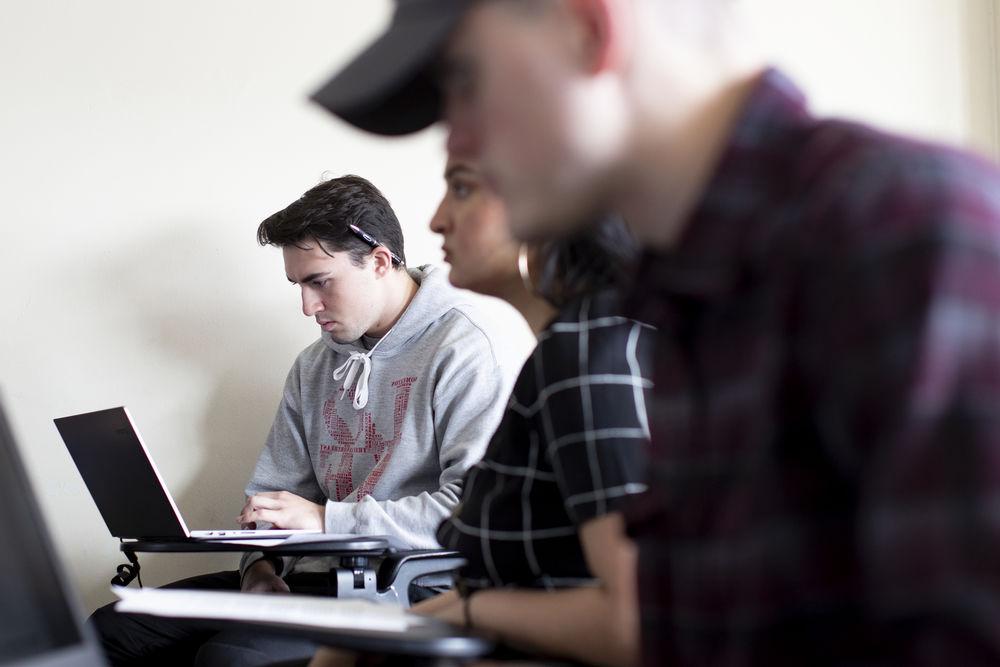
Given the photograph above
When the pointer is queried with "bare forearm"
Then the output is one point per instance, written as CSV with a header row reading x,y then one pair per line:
x,y
437,604
597,625
585,624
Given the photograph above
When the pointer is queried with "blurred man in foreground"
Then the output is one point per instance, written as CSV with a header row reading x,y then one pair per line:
x,y
826,438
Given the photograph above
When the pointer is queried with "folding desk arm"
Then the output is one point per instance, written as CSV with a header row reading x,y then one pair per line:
x,y
400,569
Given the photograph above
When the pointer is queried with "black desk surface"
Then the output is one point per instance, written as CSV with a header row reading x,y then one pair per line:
x,y
355,546
437,639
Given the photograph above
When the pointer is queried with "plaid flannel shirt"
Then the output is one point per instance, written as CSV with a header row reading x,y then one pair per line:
x,y
571,447
825,475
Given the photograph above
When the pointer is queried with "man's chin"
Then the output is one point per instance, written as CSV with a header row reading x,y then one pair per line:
x,y
342,338
540,224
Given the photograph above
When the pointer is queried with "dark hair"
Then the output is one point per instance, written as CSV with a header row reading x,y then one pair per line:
x,y
599,256
326,212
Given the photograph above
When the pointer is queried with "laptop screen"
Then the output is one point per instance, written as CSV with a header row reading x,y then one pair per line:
x,y
37,622
120,475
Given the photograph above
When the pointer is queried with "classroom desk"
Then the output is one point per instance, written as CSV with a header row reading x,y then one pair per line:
x,y
365,567
353,546
436,644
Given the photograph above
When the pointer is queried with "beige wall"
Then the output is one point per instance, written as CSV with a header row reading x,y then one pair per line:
x,y
142,142
928,67
982,53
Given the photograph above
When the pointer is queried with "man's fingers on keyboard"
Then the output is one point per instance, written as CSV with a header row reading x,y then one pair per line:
x,y
274,517
268,502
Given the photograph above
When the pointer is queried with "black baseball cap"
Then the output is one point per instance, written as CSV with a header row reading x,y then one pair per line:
x,y
390,87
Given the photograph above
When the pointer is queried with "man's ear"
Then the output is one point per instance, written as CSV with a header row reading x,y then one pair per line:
x,y
605,32
382,261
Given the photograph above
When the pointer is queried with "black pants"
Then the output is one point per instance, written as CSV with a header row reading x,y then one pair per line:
x,y
148,640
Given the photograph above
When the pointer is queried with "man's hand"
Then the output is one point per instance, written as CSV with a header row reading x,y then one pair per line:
x,y
260,578
283,510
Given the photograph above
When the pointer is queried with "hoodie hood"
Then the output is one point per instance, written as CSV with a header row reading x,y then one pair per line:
x,y
426,307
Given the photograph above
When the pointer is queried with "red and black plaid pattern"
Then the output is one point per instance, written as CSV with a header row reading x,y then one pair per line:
x,y
825,481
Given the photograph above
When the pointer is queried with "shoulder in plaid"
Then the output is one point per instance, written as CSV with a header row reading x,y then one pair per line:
x,y
571,447
825,468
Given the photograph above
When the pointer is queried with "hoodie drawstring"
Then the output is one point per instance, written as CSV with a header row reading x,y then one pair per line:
x,y
358,361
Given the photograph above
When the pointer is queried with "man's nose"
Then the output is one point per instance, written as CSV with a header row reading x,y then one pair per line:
x,y
311,303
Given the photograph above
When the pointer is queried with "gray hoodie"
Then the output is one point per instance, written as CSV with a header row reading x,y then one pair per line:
x,y
437,388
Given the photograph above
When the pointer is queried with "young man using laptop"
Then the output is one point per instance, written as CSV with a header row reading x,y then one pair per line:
x,y
379,418
824,420
383,414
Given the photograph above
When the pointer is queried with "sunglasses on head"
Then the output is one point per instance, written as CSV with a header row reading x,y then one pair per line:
x,y
374,243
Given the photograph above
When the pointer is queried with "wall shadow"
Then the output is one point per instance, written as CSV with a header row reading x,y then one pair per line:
x,y
217,333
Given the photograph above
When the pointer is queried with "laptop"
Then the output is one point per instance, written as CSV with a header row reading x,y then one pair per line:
x,y
39,626
126,485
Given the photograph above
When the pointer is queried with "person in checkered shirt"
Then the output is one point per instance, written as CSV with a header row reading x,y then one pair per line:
x,y
570,452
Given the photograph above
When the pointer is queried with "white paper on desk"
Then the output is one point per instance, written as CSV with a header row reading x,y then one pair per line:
x,y
312,611
309,538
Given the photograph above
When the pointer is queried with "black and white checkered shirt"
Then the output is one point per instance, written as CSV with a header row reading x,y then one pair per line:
x,y
570,448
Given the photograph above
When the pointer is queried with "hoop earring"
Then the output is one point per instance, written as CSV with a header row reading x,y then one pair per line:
x,y
522,268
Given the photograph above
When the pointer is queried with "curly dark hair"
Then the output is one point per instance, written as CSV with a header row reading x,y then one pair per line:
x,y
599,256
326,212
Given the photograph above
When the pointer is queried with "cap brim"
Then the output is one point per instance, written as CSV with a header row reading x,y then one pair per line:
x,y
389,88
